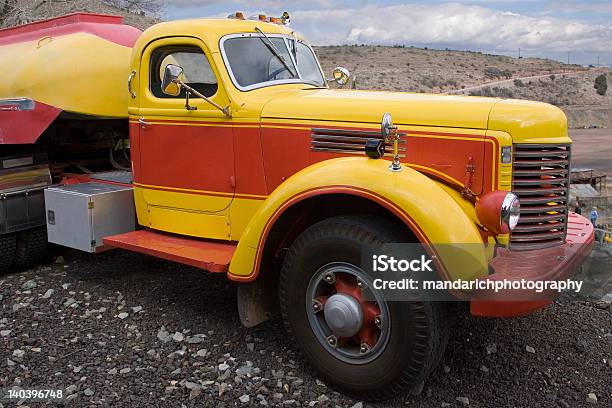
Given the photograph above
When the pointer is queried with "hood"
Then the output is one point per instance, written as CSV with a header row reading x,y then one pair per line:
x,y
525,121
529,121
369,106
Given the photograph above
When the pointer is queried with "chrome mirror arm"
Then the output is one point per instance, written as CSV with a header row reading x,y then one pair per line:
x,y
226,111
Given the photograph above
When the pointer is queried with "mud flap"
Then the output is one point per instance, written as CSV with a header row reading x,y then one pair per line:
x,y
257,301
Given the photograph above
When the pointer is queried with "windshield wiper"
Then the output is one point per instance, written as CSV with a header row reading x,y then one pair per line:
x,y
275,51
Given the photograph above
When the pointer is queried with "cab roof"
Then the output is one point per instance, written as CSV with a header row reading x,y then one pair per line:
x,y
210,30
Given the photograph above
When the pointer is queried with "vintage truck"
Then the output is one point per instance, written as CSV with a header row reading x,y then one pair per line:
x,y
218,143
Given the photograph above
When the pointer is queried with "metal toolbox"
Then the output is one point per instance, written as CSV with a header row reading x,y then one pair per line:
x,y
80,215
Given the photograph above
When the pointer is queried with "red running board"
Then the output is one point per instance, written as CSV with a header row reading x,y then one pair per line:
x,y
209,255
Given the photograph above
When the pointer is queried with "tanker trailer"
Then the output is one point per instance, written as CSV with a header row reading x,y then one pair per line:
x,y
63,114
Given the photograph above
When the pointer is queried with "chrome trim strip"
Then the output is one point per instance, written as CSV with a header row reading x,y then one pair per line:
x,y
356,152
17,104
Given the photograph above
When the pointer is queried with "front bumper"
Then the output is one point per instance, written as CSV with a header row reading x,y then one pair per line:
x,y
550,264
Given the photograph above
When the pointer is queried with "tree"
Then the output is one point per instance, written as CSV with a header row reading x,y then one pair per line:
x,y
601,84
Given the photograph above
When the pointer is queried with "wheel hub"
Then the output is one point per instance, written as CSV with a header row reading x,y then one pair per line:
x,y
349,318
343,315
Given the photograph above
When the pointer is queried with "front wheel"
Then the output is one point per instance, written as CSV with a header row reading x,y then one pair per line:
x,y
360,343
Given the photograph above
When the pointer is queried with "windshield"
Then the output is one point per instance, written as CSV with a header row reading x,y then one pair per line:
x,y
257,61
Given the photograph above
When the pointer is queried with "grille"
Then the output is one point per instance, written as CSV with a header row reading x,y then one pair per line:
x,y
540,178
348,141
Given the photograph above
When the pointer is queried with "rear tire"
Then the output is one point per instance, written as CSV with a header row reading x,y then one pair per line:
x,y
31,248
8,245
417,333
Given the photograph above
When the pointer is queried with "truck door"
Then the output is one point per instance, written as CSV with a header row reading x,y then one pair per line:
x,y
185,176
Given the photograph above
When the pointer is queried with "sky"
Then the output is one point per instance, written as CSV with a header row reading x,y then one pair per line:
x,y
540,28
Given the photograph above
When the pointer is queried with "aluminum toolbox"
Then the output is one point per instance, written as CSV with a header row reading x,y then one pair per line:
x,y
80,215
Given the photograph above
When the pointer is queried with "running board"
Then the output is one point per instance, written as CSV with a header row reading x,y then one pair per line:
x,y
209,255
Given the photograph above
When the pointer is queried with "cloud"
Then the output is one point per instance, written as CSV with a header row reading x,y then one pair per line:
x,y
577,6
474,24
450,24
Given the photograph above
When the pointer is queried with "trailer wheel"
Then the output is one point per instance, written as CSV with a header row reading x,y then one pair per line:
x,y
371,350
31,248
8,244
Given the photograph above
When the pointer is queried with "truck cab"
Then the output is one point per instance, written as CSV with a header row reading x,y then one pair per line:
x,y
197,148
242,160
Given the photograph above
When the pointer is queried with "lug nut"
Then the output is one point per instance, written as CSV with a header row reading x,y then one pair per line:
x,y
317,306
330,278
378,322
364,348
332,341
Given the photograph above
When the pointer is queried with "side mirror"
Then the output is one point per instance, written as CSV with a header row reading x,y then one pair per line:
x,y
341,76
171,82
387,128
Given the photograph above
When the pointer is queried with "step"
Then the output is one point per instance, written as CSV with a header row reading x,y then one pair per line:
x,y
210,255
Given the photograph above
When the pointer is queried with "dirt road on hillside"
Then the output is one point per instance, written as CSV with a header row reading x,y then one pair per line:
x,y
511,80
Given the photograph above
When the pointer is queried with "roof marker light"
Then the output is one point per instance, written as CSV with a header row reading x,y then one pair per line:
x,y
260,17
239,15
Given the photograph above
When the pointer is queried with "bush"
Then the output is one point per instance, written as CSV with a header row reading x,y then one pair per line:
x,y
601,84
428,81
502,92
518,83
494,92
493,72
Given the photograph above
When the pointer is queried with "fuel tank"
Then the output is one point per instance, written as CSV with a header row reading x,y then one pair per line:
x,y
78,64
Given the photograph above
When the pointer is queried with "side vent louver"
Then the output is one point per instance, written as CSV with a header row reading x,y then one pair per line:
x,y
347,141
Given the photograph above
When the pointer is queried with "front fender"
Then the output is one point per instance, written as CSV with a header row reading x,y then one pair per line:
x,y
426,208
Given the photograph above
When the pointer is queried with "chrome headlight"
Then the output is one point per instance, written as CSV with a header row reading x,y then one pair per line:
x,y
510,211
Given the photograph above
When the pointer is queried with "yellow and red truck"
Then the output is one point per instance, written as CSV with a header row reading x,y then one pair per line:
x,y
218,143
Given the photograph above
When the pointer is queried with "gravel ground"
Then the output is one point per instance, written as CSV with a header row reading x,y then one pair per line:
x,y
121,329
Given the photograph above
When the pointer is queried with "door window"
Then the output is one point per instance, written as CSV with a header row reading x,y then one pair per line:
x,y
197,70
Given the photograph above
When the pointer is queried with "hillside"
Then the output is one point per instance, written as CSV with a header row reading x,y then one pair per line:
x,y
426,70
412,69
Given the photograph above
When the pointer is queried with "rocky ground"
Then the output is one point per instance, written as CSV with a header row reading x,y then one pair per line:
x,y
121,329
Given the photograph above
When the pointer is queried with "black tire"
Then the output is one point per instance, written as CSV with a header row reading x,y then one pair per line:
x,y
8,244
31,248
419,330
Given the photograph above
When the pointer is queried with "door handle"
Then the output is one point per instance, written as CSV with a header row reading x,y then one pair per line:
x,y
142,122
129,84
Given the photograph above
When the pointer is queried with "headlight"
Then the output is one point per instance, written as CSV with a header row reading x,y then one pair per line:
x,y
499,211
510,211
